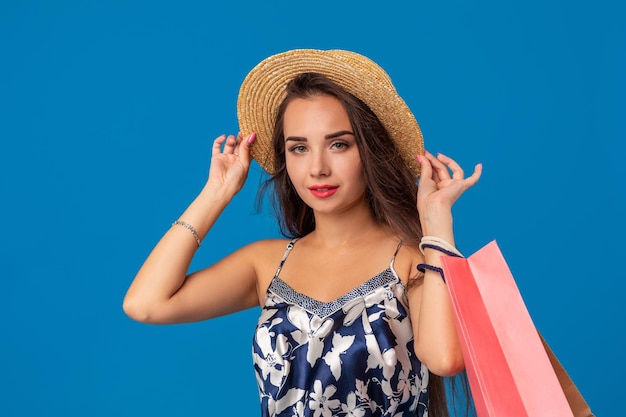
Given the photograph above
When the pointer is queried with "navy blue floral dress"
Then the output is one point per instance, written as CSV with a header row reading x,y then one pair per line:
x,y
350,357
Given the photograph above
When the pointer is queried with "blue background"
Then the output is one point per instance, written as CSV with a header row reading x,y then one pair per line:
x,y
107,113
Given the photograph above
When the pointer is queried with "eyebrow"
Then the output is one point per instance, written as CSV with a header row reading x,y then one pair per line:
x,y
327,137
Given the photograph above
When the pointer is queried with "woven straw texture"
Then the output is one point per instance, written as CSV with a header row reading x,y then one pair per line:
x,y
263,90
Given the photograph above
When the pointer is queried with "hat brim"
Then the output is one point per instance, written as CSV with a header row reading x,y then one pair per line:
x,y
263,90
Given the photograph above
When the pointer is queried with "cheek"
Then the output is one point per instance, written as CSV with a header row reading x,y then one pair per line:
x,y
359,176
295,174
292,167
355,168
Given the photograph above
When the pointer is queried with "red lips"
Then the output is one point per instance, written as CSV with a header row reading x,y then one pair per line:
x,y
323,190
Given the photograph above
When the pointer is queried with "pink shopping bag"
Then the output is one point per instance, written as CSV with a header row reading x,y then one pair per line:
x,y
510,370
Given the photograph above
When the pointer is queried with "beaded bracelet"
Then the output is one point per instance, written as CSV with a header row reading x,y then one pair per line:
x,y
440,249
423,267
188,227
440,245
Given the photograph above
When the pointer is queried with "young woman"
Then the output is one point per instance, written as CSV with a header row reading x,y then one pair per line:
x,y
348,326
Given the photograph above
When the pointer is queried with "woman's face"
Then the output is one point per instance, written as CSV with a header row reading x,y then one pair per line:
x,y
321,154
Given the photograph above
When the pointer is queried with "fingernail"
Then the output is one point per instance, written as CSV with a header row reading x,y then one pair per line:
x,y
252,137
419,158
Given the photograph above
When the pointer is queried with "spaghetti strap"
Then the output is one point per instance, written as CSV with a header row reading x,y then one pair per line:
x,y
397,249
287,251
393,258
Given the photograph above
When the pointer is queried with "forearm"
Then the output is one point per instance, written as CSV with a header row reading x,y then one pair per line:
x,y
165,269
437,338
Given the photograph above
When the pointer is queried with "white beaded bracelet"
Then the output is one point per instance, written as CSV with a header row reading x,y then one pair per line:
x,y
190,228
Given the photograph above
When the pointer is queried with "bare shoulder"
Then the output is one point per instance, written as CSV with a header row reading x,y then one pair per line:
x,y
267,250
266,256
257,255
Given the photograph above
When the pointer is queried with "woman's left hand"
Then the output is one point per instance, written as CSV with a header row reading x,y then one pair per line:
x,y
441,183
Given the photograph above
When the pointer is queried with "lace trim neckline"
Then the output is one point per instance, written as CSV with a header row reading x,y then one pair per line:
x,y
324,309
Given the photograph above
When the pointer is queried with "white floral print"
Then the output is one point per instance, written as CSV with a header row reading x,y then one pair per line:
x,y
351,408
270,362
341,344
321,402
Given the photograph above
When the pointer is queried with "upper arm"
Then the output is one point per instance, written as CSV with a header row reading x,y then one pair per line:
x,y
228,286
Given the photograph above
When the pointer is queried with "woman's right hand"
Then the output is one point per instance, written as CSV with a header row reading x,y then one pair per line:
x,y
229,167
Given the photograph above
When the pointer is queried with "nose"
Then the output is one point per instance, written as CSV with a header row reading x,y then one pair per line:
x,y
319,166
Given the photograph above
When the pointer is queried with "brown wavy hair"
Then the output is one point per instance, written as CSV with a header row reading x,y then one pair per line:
x,y
391,191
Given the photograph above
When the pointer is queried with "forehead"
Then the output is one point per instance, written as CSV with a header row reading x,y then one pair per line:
x,y
317,111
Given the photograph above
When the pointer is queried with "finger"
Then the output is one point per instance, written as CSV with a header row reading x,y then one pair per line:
x,y
457,171
237,143
244,147
231,142
438,167
473,179
426,171
439,171
217,145
435,176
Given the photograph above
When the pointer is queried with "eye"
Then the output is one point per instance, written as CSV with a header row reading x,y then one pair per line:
x,y
339,145
298,149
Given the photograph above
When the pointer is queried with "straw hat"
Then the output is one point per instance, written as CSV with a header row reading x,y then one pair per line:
x,y
263,90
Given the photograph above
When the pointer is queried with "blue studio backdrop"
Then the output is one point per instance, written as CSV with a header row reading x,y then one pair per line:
x,y
107,114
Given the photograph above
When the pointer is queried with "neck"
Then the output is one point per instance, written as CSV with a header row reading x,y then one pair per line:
x,y
347,228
